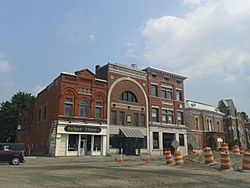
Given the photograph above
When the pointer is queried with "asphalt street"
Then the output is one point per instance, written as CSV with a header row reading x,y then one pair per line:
x,y
76,172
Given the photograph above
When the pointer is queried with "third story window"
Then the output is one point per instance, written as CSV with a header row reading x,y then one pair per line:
x,y
154,89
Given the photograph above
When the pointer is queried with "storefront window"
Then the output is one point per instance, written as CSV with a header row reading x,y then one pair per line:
x,y
181,139
97,143
114,141
73,142
155,140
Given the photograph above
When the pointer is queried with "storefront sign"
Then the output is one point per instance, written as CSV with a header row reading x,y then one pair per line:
x,y
77,128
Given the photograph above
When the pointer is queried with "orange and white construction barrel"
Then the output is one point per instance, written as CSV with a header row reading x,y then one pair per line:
x,y
120,160
224,147
236,150
208,154
178,158
225,161
246,162
242,150
169,158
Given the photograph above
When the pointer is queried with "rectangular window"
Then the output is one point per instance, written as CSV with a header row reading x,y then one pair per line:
x,y
155,140
164,116
136,119
114,141
97,143
178,95
68,107
155,115
180,118
113,118
181,140
170,115
164,92
45,112
73,142
121,118
154,89
143,143
39,114
98,110
143,120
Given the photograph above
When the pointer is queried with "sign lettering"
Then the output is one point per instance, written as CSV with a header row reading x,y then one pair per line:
x,y
78,128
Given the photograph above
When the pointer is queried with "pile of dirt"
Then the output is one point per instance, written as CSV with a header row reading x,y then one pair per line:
x,y
198,157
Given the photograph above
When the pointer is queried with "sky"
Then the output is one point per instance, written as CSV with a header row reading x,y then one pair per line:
x,y
206,40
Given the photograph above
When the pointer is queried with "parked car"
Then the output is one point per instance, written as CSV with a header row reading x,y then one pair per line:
x,y
11,153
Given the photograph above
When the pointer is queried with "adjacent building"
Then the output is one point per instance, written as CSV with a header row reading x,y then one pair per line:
x,y
205,126
234,123
68,118
165,91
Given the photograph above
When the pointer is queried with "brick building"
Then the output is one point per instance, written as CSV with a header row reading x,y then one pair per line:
x,y
165,92
234,123
205,126
127,105
68,118
119,109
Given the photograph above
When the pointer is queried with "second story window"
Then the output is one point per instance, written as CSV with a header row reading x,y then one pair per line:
x,y
113,118
136,119
209,125
180,118
143,120
84,108
98,110
68,107
178,95
155,115
121,118
196,123
154,90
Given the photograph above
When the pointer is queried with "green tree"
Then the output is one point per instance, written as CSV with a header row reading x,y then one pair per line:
x,y
9,115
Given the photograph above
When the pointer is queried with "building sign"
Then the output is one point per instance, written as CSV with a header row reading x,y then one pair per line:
x,y
78,128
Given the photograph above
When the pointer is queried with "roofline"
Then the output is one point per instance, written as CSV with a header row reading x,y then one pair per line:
x,y
168,72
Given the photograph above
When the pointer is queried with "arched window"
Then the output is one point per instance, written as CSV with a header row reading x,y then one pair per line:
x,y
128,96
84,108
196,123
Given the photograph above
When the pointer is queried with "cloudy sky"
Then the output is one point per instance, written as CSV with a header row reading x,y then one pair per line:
x,y
206,40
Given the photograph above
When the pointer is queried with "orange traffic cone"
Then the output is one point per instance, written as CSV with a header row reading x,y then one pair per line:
x,y
246,162
209,158
121,161
224,147
225,161
147,159
242,150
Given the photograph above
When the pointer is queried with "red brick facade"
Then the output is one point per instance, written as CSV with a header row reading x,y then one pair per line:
x,y
49,107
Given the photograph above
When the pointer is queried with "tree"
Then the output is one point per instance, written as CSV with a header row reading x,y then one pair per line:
x,y
10,114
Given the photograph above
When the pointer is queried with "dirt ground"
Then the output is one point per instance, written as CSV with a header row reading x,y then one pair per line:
x,y
76,172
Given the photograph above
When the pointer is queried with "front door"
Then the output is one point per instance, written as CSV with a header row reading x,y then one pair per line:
x,y
129,146
83,146
167,141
